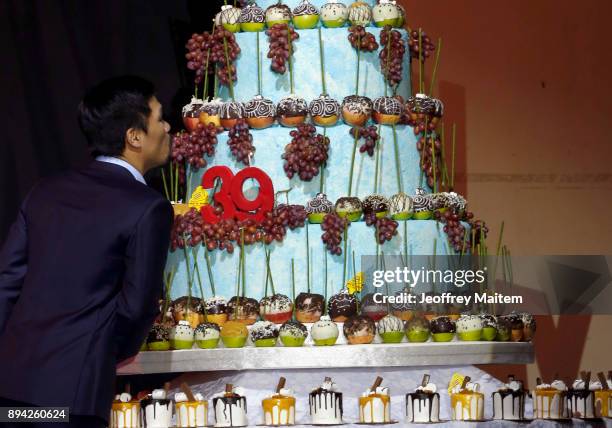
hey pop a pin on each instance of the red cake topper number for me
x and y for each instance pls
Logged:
(231, 198)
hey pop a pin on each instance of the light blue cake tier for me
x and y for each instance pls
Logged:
(317, 3)
(340, 60)
(270, 145)
(421, 237)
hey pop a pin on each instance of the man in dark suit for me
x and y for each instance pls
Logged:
(81, 270)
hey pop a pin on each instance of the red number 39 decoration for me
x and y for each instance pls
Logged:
(232, 199)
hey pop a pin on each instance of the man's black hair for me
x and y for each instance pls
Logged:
(112, 107)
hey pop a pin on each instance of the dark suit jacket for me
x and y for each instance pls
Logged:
(81, 273)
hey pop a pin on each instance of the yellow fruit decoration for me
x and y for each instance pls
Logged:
(199, 198)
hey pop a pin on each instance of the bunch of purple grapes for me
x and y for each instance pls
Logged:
(306, 152)
(426, 156)
(386, 228)
(427, 45)
(275, 224)
(197, 54)
(358, 34)
(295, 215)
(333, 230)
(391, 55)
(186, 230)
(221, 234)
(279, 49)
(240, 142)
(223, 39)
(370, 136)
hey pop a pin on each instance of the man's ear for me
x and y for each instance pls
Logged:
(134, 138)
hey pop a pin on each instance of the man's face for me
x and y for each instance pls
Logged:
(156, 141)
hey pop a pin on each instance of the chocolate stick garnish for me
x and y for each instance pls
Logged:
(185, 388)
(327, 379)
(425, 380)
(602, 379)
(465, 382)
(167, 388)
(582, 374)
(538, 381)
(229, 388)
(510, 378)
(610, 374)
(376, 383)
(587, 379)
(128, 388)
(281, 384)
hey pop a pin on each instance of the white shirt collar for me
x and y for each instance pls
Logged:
(109, 159)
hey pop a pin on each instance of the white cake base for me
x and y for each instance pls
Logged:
(191, 414)
(509, 406)
(326, 408)
(422, 408)
(156, 413)
(580, 404)
(374, 410)
(467, 407)
(230, 412)
(548, 405)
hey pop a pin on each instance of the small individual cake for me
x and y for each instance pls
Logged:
(375, 404)
(305, 15)
(158, 338)
(125, 412)
(260, 112)
(417, 330)
(529, 326)
(279, 408)
(234, 334)
(317, 208)
(504, 329)
(489, 327)
(309, 307)
(252, 18)
(181, 336)
(603, 397)
(324, 332)
(386, 13)
(359, 329)
(243, 309)
(371, 308)
(402, 308)
(400, 206)
(356, 110)
(423, 405)
(230, 407)
(230, 112)
(391, 329)
(334, 14)
(509, 401)
(422, 205)
(349, 207)
(469, 327)
(187, 308)
(216, 310)
(291, 111)
(191, 409)
(387, 110)
(209, 112)
(581, 398)
(549, 400)
(325, 404)
(207, 335)
(324, 110)
(341, 306)
(377, 205)
(293, 333)
(191, 113)
(156, 410)
(278, 14)
(264, 334)
(442, 329)
(360, 13)
(230, 18)
(277, 308)
(467, 403)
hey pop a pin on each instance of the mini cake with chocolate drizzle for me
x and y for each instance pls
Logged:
(325, 404)
(156, 408)
(317, 208)
(400, 206)
(191, 113)
(349, 207)
(291, 111)
(356, 110)
(581, 397)
(467, 403)
(423, 405)
(243, 309)
(230, 112)
(279, 408)
(293, 333)
(422, 205)
(252, 18)
(278, 14)
(277, 308)
(509, 401)
(359, 329)
(260, 112)
(375, 404)
(309, 307)
(305, 15)
(387, 110)
(230, 407)
(209, 112)
(377, 205)
(341, 306)
(264, 334)
(324, 110)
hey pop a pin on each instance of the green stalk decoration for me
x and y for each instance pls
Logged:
(176, 182)
(435, 68)
(433, 159)
(421, 85)
(163, 174)
(322, 181)
(435, 249)
(216, 84)
(397, 162)
(267, 273)
(239, 301)
(388, 47)
(423, 153)
(189, 277)
(355, 270)
(205, 91)
(209, 269)
(405, 242)
(473, 232)
(196, 268)
(463, 245)
(344, 263)
(270, 272)
(188, 184)
(307, 259)
(171, 174)
(358, 61)
(258, 67)
(443, 156)
(325, 287)
(350, 188)
(453, 158)
(290, 59)
(228, 68)
(293, 288)
(242, 260)
(322, 63)
(384, 268)
(168, 279)
(377, 162)
(195, 91)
